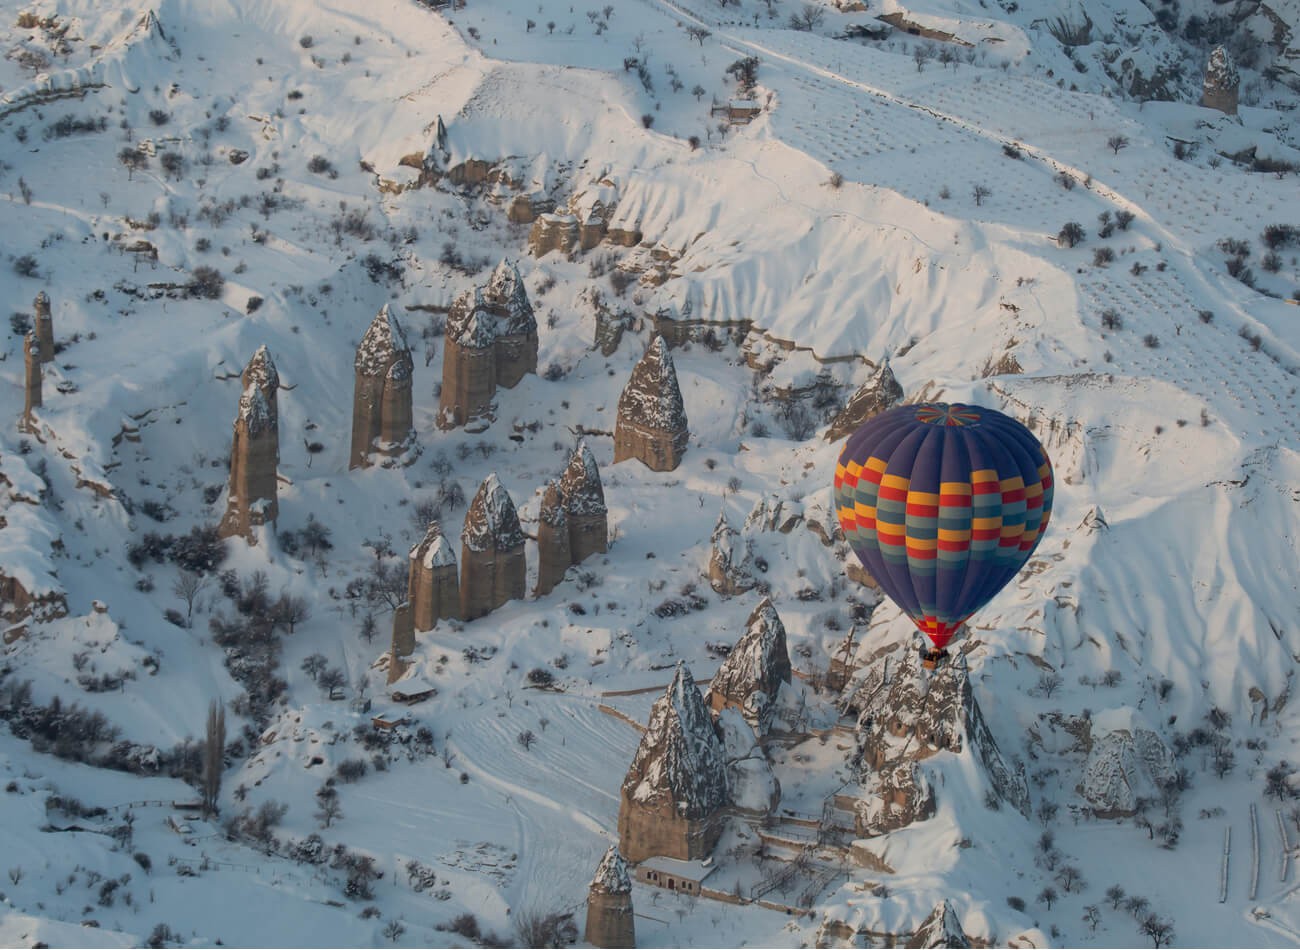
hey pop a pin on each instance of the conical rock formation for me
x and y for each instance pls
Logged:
(652, 425)
(381, 404)
(584, 503)
(554, 554)
(44, 326)
(753, 672)
(941, 929)
(492, 552)
(673, 793)
(1222, 83)
(609, 904)
(432, 587)
(731, 568)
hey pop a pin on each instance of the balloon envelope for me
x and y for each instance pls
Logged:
(943, 504)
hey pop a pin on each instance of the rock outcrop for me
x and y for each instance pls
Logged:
(32, 381)
(554, 553)
(673, 796)
(731, 568)
(253, 497)
(906, 715)
(1222, 83)
(584, 504)
(553, 232)
(382, 422)
(652, 425)
(403, 642)
(609, 904)
(1127, 760)
(492, 552)
(29, 537)
(44, 326)
(941, 929)
(491, 341)
(432, 587)
(754, 670)
(879, 393)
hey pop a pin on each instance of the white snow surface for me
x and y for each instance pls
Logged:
(841, 225)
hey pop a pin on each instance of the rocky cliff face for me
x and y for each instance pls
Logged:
(584, 504)
(906, 715)
(1222, 83)
(652, 425)
(879, 393)
(1127, 760)
(32, 396)
(677, 782)
(44, 326)
(253, 496)
(609, 904)
(941, 929)
(261, 372)
(554, 555)
(492, 552)
(731, 567)
(381, 405)
(432, 587)
(753, 672)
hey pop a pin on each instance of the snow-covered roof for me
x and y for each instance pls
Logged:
(690, 870)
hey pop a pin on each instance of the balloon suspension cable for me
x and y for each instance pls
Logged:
(931, 659)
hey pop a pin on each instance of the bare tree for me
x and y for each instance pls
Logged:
(1115, 143)
(314, 665)
(980, 192)
(188, 586)
(393, 930)
(1047, 896)
(1160, 931)
(330, 680)
(289, 611)
(327, 797)
(214, 745)
(1115, 894)
(698, 33)
(1092, 916)
(808, 18)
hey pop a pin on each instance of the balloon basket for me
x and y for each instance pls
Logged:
(930, 659)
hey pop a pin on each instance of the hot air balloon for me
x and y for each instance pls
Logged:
(943, 504)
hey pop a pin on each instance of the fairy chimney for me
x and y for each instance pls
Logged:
(731, 569)
(672, 799)
(752, 674)
(491, 341)
(32, 364)
(878, 394)
(381, 404)
(1222, 83)
(44, 326)
(941, 929)
(554, 554)
(492, 552)
(609, 904)
(255, 452)
(652, 424)
(584, 503)
(403, 642)
(432, 587)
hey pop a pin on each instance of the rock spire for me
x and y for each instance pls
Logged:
(609, 904)
(652, 424)
(492, 552)
(381, 404)
(753, 672)
(252, 499)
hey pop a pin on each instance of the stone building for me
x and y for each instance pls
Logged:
(44, 326)
(554, 554)
(751, 675)
(381, 404)
(432, 588)
(674, 797)
(32, 382)
(491, 341)
(492, 570)
(584, 505)
(609, 904)
(652, 425)
(1222, 83)
(253, 497)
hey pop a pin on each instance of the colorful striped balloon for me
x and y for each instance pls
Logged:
(943, 504)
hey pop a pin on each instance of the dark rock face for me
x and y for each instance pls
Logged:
(492, 552)
(906, 715)
(673, 795)
(491, 341)
(381, 404)
(652, 425)
(941, 929)
(753, 672)
(253, 497)
(609, 904)
(879, 393)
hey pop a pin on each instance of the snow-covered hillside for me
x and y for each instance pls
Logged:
(983, 193)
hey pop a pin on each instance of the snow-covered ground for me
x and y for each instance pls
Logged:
(886, 202)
